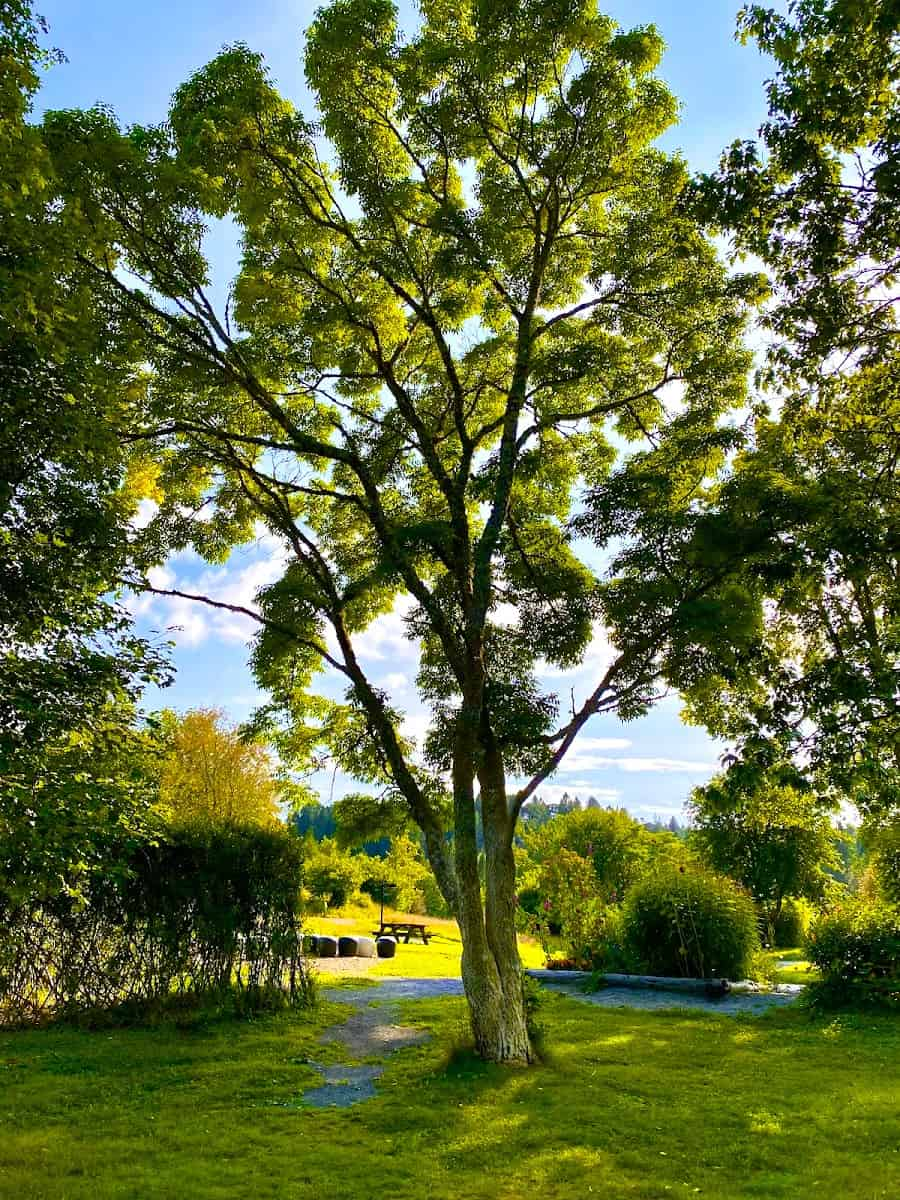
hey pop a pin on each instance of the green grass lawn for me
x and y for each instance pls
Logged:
(631, 1104)
(800, 969)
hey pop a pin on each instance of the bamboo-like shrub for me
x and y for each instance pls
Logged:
(200, 909)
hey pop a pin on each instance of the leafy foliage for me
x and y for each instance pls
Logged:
(856, 947)
(210, 772)
(360, 818)
(74, 801)
(573, 907)
(618, 848)
(884, 840)
(403, 871)
(818, 202)
(314, 818)
(686, 921)
(332, 875)
(776, 840)
(790, 927)
(198, 909)
(443, 327)
(75, 770)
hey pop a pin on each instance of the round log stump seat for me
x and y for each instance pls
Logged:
(387, 947)
(365, 947)
(328, 947)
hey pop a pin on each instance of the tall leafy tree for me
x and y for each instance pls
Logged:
(775, 839)
(75, 771)
(817, 197)
(210, 773)
(461, 294)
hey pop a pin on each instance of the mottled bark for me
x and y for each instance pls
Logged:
(491, 970)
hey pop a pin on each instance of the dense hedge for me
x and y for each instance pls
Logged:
(856, 947)
(689, 922)
(197, 910)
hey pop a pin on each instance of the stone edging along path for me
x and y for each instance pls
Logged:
(372, 1032)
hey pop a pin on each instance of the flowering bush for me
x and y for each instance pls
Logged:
(571, 906)
(856, 947)
(687, 921)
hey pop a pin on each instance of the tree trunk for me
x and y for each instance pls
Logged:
(491, 970)
(492, 978)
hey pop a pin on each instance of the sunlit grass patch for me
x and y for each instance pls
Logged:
(632, 1104)
(800, 969)
(439, 959)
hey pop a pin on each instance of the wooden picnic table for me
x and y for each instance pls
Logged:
(404, 929)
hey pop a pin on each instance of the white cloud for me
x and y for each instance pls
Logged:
(140, 604)
(185, 620)
(505, 614)
(552, 793)
(146, 511)
(385, 639)
(580, 761)
(602, 743)
(241, 589)
(664, 808)
(192, 622)
(415, 726)
(662, 765)
(598, 658)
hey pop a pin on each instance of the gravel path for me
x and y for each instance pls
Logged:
(610, 997)
(620, 997)
(372, 1031)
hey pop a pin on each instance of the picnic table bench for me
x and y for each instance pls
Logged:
(402, 929)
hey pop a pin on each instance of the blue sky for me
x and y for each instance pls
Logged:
(132, 57)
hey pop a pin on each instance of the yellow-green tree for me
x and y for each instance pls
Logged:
(212, 773)
(447, 321)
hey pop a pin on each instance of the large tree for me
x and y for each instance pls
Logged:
(817, 198)
(463, 294)
(75, 771)
(775, 839)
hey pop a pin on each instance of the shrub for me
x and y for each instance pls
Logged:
(576, 912)
(856, 947)
(402, 872)
(686, 921)
(535, 998)
(790, 926)
(886, 862)
(332, 876)
(618, 846)
(434, 902)
(612, 953)
(200, 910)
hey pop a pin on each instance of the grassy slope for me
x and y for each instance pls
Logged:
(632, 1105)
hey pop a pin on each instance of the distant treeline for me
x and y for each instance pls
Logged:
(318, 820)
